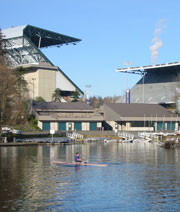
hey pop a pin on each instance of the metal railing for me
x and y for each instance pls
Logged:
(126, 136)
(74, 135)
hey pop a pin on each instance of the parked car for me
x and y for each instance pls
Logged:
(18, 132)
(5, 130)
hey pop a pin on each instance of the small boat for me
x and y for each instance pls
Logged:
(78, 163)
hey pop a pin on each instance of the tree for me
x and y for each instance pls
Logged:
(8, 93)
(96, 102)
(1, 49)
(39, 99)
(21, 82)
(57, 95)
(13, 90)
(4, 60)
(75, 95)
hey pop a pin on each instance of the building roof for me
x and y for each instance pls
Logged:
(122, 111)
(69, 106)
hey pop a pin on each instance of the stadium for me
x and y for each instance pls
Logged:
(23, 44)
(159, 84)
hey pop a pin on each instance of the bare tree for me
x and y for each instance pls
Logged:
(13, 90)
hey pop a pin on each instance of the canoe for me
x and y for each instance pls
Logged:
(79, 164)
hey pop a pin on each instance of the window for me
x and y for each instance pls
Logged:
(160, 126)
(170, 126)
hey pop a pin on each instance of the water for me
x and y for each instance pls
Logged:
(139, 177)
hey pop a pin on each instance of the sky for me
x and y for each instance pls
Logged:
(114, 33)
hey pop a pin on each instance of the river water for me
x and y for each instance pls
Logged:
(139, 177)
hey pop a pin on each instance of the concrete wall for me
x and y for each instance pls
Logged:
(41, 82)
(32, 79)
(47, 83)
(63, 83)
(46, 80)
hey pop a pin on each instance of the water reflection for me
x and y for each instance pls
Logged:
(140, 177)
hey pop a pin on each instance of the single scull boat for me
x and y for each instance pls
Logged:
(79, 163)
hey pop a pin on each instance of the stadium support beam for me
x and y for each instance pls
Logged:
(135, 70)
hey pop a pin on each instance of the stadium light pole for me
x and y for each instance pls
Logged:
(127, 91)
(87, 91)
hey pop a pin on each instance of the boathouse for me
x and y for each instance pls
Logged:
(139, 117)
(60, 116)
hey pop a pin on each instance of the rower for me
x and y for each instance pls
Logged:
(77, 158)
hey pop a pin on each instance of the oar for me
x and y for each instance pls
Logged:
(85, 160)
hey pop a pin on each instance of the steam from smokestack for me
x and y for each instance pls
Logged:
(157, 42)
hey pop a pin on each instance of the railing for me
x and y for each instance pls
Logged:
(125, 135)
(146, 136)
(74, 135)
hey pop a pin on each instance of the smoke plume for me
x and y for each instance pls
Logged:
(157, 42)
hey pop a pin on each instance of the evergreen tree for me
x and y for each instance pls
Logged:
(75, 95)
(56, 97)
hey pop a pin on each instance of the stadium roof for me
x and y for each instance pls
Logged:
(23, 43)
(142, 69)
(40, 37)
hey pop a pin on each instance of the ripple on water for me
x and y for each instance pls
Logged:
(138, 178)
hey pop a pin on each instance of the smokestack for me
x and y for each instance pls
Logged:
(157, 42)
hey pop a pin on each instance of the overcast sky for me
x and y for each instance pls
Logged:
(113, 32)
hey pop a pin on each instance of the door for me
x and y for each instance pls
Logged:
(62, 126)
(93, 126)
(46, 126)
(78, 126)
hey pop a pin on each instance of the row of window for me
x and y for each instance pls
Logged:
(62, 126)
(170, 126)
(160, 125)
